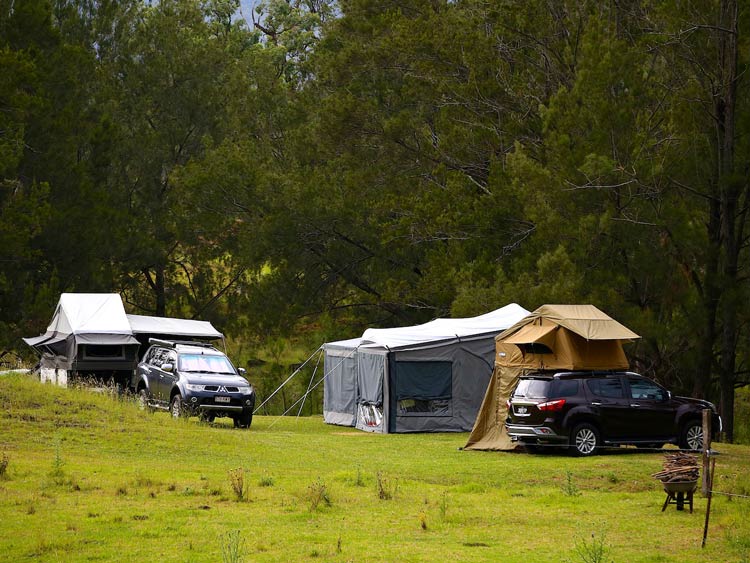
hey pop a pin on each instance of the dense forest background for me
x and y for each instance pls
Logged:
(295, 171)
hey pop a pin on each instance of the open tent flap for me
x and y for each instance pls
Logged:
(535, 336)
(371, 366)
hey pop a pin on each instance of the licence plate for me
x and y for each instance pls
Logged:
(222, 399)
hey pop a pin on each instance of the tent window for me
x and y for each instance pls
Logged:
(99, 351)
(535, 348)
(424, 388)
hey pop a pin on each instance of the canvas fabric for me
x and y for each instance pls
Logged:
(554, 337)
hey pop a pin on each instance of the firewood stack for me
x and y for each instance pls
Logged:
(679, 467)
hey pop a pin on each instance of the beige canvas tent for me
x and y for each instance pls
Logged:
(567, 337)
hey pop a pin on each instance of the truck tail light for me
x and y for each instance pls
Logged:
(552, 406)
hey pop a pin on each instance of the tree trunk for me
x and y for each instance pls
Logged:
(161, 297)
(729, 190)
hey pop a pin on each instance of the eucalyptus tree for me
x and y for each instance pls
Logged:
(56, 219)
(176, 74)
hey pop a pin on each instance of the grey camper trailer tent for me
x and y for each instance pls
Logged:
(425, 378)
(91, 336)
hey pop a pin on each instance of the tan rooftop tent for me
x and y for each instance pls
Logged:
(566, 337)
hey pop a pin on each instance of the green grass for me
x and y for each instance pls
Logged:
(89, 477)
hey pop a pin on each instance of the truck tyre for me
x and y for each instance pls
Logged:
(177, 407)
(584, 440)
(691, 436)
(243, 420)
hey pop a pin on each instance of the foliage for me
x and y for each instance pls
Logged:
(317, 167)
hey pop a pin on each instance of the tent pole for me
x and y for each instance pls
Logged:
(322, 379)
(312, 378)
(287, 381)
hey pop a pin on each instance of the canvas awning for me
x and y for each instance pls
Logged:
(141, 324)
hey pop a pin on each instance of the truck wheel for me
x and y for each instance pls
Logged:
(143, 401)
(584, 440)
(691, 437)
(177, 407)
(243, 420)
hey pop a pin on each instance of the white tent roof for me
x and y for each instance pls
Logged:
(438, 329)
(176, 327)
(79, 313)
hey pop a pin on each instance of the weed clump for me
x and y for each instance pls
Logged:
(237, 482)
(266, 480)
(387, 488)
(58, 467)
(443, 505)
(4, 461)
(232, 547)
(569, 488)
(594, 551)
(317, 493)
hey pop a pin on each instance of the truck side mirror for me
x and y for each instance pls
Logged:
(167, 367)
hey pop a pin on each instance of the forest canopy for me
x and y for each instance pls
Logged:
(314, 165)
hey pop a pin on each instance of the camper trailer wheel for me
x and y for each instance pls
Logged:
(177, 408)
(584, 439)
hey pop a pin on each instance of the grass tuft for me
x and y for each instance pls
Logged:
(443, 506)
(4, 461)
(594, 550)
(266, 480)
(233, 547)
(569, 488)
(387, 487)
(237, 482)
(317, 493)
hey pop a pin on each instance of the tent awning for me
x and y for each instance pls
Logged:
(140, 324)
(43, 339)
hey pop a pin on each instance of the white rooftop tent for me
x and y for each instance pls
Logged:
(425, 378)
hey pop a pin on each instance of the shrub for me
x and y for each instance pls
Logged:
(237, 481)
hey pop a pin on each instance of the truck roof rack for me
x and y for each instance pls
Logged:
(175, 343)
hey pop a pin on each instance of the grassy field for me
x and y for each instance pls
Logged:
(89, 477)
